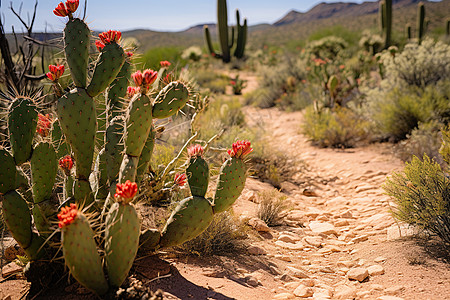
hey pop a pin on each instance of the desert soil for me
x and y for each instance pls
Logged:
(338, 239)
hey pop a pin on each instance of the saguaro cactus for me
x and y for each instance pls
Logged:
(420, 21)
(223, 31)
(387, 23)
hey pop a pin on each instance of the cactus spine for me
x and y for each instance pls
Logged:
(226, 42)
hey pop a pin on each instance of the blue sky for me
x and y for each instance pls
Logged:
(161, 15)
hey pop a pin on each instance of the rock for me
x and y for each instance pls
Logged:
(359, 239)
(376, 287)
(252, 281)
(389, 298)
(309, 193)
(259, 225)
(297, 272)
(250, 196)
(395, 232)
(283, 296)
(380, 259)
(322, 294)
(286, 278)
(344, 292)
(256, 250)
(274, 270)
(291, 246)
(288, 238)
(345, 263)
(358, 274)
(363, 188)
(394, 290)
(296, 215)
(375, 270)
(283, 257)
(308, 282)
(315, 241)
(346, 215)
(303, 291)
(313, 212)
(322, 228)
(341, 223)
(11, 269)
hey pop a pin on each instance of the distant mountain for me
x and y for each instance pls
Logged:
(337, 10)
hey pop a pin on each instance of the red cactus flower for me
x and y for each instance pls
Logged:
(66, 163)
(125, 192)
(149, 77)
(55, 72)
(132, 90)
(341, 67)
(319, 61)
(180, 179)
(195, 150)
(138, 78)
(99, 45)
(44, 124)
(60, 10)
(240, 149)
(164, 64)
(129, 53)
(67, 215)
(232, 82)
(72, 5)
(110, 36)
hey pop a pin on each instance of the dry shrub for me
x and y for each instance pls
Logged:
(225, 235)
(271, 206)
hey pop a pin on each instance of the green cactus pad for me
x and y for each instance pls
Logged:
(230, 184)
(106, 69)
(81, 255)
(198, 176)
(117, 91)
(114, 148)
(22, 122)
(44, 167)
(21, 179)
(78, 120)
(82, 192)
(59, 141)
(121, 241)
(170, 100)
(128, 168)
(149, 239)
(190, 218)
(76, 46)
(68, 187)
(102, 185)
(43, 216)
(7, 172)
(17, 218)
(146, 155)
(138, 123)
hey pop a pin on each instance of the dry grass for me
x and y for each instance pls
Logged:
(271, 206)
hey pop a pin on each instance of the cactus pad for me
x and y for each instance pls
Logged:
(8, 167)
(76, 41)
(198, 176)
(170, 100)
(114, 148)
(44, 167)
(146, 155)
(138, 123)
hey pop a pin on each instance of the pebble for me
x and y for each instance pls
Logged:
(256, 250)
(375, 270)
(259, 225)
(358, 274)
(380, 259)
(341, 223)
(344, 292)
(303, 291)
(288, 238)
(297, 272)
(283, 296)
(315, 241)
(252, 281)
(322, 228)
(308, 282)
(394, 290)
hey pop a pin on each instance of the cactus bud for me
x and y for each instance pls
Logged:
(129, 54)
(67, 215)
(195, 150)
(149, 77)
(43, 125)
(125, 192)
(60, 10)
(164, 64)
(180, 179)
(240, 149)
(137, 78)
(66, 164)
(99, 45)
(132, 90)
(110, 36)
(66, 10)
(55, 72)
(72, 5)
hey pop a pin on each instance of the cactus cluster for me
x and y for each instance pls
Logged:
(223, 31)
(97, 222)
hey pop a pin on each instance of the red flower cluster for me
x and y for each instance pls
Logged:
(129, 53)
(66, 163)
(44, 124)
(164, 64)
(67, 215)
(55, 72)
(132, 90)
(99, 45)
(319, 61)
(64, 10)
(144, 79)
(125, 192)
(180, 179)
(240, 149)
(195, 150)
(110, 36)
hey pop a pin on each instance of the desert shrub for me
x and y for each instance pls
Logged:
(151, 58)
(418, 65)
(370, 42)
(193, 53)
(211, 81)
(225, 235)
(349, 36)
(339, 128)
(271, 205)
(425, 139)
(422, 196)
(398, 111)
(328, 47)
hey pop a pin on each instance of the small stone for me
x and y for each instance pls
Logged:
(250, 196)
(288, 238)
(309, 193)
(291, 246)
(286, 278)
(308, 282)
(380, 259)
(376, 287)
(259, 225)
(303, 291)
(344, 292)
(341, 223)
(375, 270)
(256, 250)
(10, 269)
(359, 239)
(297, 272)
(346, 215)
(322, 228)
(251, 281)
(283, 296)
(283, 257)
(297, 216)
(345, 263)
(394, 290)
(315, 241)
(357, 274)
(395, 232)
(274, 270)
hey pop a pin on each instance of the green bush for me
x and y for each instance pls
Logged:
(422, 196)
(151, 58)
(339, 128)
